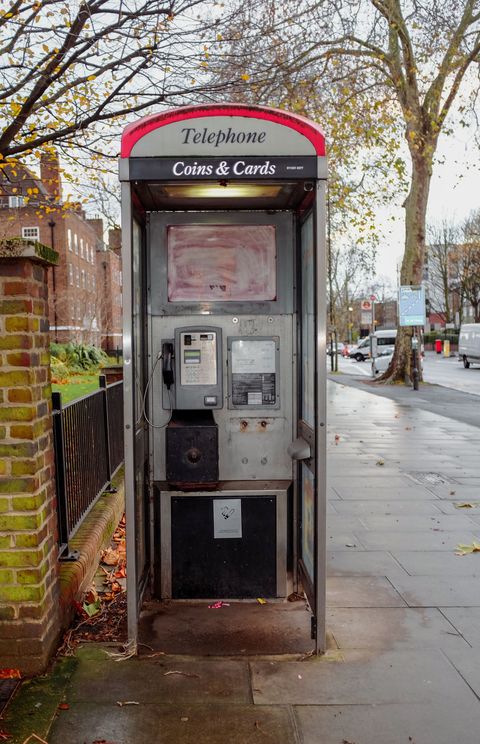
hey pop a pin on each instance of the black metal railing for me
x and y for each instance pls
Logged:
(88, 440)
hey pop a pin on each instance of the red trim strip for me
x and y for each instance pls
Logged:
(133, 132)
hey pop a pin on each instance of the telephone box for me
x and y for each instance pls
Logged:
(223, 222)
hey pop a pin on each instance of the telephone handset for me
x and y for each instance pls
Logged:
(167, 364)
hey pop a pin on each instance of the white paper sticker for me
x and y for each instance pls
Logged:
(253, 356)
(227, 518)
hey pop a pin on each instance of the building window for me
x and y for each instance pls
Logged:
(77, 276)
(69, 239)
(31, 232)
(82, 253)
(75, 242)
(15, 201)
(83, 278)
(70, 274)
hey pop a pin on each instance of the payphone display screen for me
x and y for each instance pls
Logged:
(254, 373)
(230, 263)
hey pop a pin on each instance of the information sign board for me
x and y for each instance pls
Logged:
(411, 305)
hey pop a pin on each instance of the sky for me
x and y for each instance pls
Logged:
(454, 194)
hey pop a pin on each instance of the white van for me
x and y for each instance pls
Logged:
(469, 344)
(379, 343)
(383, 342)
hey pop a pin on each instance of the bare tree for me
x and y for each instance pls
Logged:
(441, 279)
(406, 60)
(466, 258)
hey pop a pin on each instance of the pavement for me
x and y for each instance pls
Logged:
(403, 617)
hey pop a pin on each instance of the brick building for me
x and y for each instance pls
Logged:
(85, 287)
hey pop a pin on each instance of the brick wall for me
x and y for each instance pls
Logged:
(29, 621)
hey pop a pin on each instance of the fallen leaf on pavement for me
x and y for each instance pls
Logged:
(127, 702)
(337, 438)
(110, 557)
(63, 706)
(380, 462)
(10, 674)
(465, 506)
(466, 549)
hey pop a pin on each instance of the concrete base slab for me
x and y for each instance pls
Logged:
(181, 724)
(387, 724)
(241, 628)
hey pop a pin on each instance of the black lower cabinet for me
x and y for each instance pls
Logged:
(205, 566)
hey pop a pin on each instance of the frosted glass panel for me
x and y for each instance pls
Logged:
(212, 263)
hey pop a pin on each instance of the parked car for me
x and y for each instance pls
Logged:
(380, 363)
(340, 348)
(469, 344)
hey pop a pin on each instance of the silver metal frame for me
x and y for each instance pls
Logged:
(280, 495)
(129, 414)
(321, 420)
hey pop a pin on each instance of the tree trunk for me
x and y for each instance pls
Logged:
(400, 368)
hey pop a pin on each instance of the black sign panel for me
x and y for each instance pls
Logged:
(229, 168)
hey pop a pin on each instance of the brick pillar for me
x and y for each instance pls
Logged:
(29, 619)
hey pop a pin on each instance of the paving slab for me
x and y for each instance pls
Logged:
(394, 541)
(467, 662)
(430, 723)
(85, 722)
(369, 507)
(362, 591)
(175, 681)
(466, 620)
(434, 591)
(337, 522)
(438, 563)
(364, 677)
(361, 563)
(343, 541)
(392, 627)
(417, 523)
(456, 492)
(371, 491)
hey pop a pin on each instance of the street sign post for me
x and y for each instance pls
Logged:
(411, 305)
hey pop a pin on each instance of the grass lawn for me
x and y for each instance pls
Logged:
(76, 387)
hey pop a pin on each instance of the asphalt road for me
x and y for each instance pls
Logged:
(448, 390)
(437, 370)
